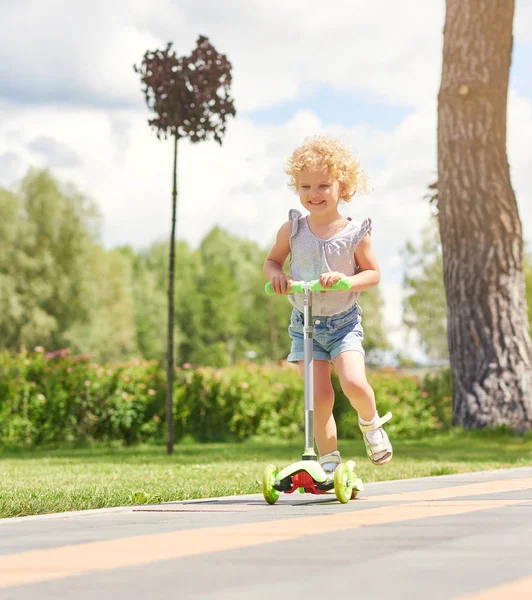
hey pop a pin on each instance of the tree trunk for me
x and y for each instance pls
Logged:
(480, 229)
(170, 349)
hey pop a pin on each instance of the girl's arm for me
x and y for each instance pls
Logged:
(370, 273)
(274, 263)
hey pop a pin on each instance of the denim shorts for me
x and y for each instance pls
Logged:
(332, 335)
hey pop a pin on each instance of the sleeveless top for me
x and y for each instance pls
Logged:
(310, 256)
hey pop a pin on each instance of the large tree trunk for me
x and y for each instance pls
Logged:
(480, 229)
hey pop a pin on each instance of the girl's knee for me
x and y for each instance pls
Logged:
(356, 387)
(323, 396)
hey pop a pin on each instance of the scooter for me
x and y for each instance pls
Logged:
(307, 475)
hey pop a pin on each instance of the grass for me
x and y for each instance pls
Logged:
(38, 482)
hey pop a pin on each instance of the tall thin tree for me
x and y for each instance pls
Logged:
(489, 344)
(190, 96)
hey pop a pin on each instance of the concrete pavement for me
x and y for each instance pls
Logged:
(463, 537)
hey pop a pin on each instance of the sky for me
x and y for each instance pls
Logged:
(368, 73)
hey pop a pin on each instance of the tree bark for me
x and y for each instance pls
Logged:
(171, 310)
(480, 229)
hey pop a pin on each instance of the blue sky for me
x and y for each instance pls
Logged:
(335, 107)
(521, 69)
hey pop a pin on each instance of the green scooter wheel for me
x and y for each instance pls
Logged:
(271, 495)
(342, 489)
(356, 482)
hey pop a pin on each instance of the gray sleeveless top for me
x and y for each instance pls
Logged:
(310, 256)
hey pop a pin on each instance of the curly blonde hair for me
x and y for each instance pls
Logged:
(324, 151)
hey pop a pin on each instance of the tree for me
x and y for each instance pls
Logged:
(108, 331)
(489, 343)
(528, 287)
(372, 305)
(48, 232)
(424, 307)
(190, 97)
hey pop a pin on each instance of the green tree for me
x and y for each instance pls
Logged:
(48, 232)
(424, 306)
(108, 332)
(527, 269)
(372, 306)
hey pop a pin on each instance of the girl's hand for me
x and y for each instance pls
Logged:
(330, 278)
(281, 283)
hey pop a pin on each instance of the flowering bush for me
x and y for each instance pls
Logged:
(51, 399)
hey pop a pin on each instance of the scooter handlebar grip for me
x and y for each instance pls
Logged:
(298, 286)
(343, 285)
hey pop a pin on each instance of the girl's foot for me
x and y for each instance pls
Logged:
(378, 446)
(330, 461)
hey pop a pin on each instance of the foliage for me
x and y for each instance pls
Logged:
(527, 271)
(372, 305)
(51, 398)
(48, 233)
(54, 398)
(424, 306)
(189, 94)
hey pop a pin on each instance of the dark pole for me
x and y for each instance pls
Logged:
(170, 363)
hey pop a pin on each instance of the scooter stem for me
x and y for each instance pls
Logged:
(308, 331)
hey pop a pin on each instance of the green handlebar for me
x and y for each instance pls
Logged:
(298, 286)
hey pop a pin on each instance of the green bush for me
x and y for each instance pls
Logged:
(237, 402)
(438, 388)
(414, 409)
(54, 399)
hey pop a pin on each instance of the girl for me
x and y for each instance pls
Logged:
(327, 246)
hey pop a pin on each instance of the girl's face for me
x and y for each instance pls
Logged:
(318, 190)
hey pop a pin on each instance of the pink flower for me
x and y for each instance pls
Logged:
(187, 366)
(38, 349)
(87, 383)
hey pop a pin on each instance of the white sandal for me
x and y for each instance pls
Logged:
(330, 461)
(380, 452)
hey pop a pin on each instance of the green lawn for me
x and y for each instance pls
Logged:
(37, 482)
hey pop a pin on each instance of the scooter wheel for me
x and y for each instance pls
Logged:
(356, 482)
(271, 495)
(342, 489)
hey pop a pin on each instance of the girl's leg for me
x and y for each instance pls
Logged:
(352, 374)
(351, 371)
(324, 423)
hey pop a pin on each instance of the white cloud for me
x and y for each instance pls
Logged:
(86, 51)
(522, 20)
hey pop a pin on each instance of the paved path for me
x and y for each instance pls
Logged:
(464, 537)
